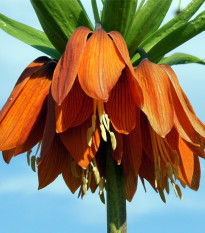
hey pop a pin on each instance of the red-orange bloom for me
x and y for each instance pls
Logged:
(96, 95)
(22, 118)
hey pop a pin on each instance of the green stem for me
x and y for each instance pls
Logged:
(116, 197)
(141, 52)
(95, 11)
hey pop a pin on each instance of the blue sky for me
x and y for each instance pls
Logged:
(54, 209)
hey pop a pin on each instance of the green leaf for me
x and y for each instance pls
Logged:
(181, 58)
(59, 19)
(169, 27)
(145, 22)
(178, 37)
(29, 35)
(116, 15)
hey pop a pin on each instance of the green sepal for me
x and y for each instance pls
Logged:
(28, 35)
(145, 22)
(116, 15)
(59, 19)
(178, 37)
(178, 21)
(181, 58)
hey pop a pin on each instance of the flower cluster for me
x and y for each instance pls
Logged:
(93, 97)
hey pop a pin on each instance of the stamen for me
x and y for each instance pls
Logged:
(84, 185)
(166, 181)
(101, 185)
(169, 170)
(103, 132)
(113, 140)
(95, 171)
(176, 157)
(179, 192)
(161, 193)
(33, 163)
(173, 184)
(28, 156)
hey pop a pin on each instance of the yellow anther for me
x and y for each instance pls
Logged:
(102, 197)
(73, 166)
(169, 170)
(103, 132)
(101, 185)
(89, 136)
(84, 189)
(33, 161)
(96, 175)
(179, 192)
(166, 182)
(176, 157)
(161, 193)
(176, 173)
(155, 183)
(107, 121)
(173, 184)
(28, 156)
(113, 140)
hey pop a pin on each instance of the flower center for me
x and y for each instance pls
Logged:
(98, 107)
(166, 163)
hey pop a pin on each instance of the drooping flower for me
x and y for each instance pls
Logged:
(22, 119)
(97, 96)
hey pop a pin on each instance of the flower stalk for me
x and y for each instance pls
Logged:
(95, 11)
(116, 196)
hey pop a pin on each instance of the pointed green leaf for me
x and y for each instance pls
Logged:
(59, 19)
(181, 58)
(169, 27)
(29, 35)
(146, 21)
(117, 14)
(178, 37)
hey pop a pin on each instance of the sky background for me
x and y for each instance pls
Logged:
(24, 209)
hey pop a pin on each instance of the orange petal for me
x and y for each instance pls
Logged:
(122, 48)
(8, 154)
(23, 79)
(189, 168)
(26, 142)
(75, 141)
(101, 66)
(183, 123)
(75, 109)
(50, 126)
(196, 123)
(71, 181)
(146, 138)
(26, 108)
(130, 178)
(131, 181)
(51, 165)
(146, 170)
(118, 152)
(121, 107)
(157, 100)
(68, 66)
(132, 145)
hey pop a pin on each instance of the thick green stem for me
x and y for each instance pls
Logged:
(116, 197)
(95, 11)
